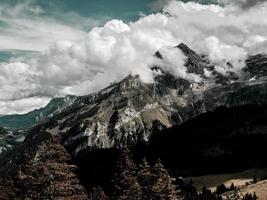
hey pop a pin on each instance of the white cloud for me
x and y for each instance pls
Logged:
(23, 27)
(174, 62)
(22, 105)
(220, 54)
(107, 54)
(243, 4)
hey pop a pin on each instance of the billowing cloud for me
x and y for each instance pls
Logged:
(22, 105)
(220, 54)
(244, 4)
(108, 53)
(25, 26)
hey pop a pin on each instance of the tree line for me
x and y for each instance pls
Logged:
(146, 182)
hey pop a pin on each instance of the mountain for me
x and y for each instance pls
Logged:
(15, 122)
(163, 119)
(130, 111)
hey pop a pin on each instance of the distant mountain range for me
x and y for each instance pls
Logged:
(24, 121)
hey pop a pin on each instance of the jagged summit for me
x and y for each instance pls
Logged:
(186, 50)
(130, 111)
(195, 63)
(255, 65)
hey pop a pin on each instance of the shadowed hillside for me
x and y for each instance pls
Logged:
(226, 140)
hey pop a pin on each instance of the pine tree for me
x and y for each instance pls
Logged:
(49, 175)
(145, 178)
(125, 181)
(250, 197)
(97, 194)
(221, 189)
(163, 187)
(254, 197)
(232, 187)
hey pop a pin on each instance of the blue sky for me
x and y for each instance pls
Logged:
(32, 25)
(19, 20)
(52, 48)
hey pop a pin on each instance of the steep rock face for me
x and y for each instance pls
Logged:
(195, 63)
(130, 111)
(255, 65)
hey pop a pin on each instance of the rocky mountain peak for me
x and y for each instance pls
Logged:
(256, 65)
(195, 63)
(129, 111)
(185, 49)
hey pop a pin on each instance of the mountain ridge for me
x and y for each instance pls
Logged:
(130, 111)
(23, 121)
(156, 120)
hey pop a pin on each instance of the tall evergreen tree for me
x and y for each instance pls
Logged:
(146, 179)
(97, 194)
(250, 197)
(163, 187)
(126, 186)
(49, 175)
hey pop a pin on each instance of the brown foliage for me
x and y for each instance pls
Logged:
(47, 175)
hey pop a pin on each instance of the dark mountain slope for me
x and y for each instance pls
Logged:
(226, 140)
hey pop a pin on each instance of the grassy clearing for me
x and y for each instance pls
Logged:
(214, 180)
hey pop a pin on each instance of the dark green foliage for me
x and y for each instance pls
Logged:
(222, 188)
(190, 193)
(47, 175)
(146, 179)
(97, 194)
(163, 187)
(250, 197)
(232, 187)
(155, 183)
(208, 195)
(126, 185)
(255, 180)
(146, 183)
